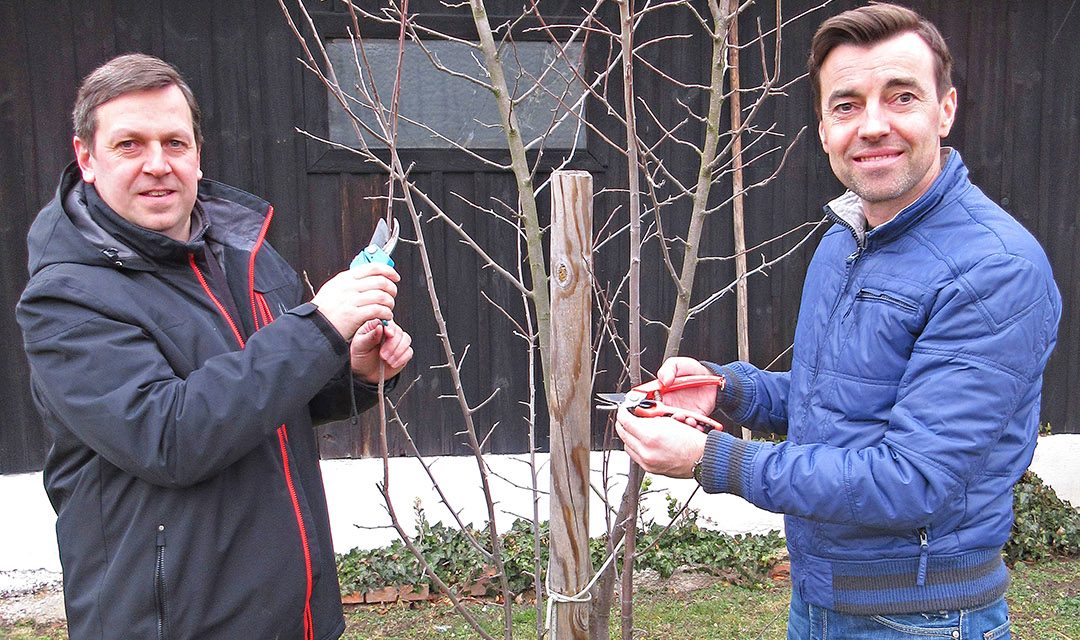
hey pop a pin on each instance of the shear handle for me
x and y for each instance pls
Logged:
(653, 387)
(654, 409)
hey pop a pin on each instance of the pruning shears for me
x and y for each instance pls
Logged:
(380, 246)
(645, 400)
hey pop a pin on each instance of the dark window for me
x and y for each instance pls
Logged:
(456, 109)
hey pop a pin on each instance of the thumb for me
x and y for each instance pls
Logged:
(368, 336)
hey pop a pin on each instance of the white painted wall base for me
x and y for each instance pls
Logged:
(358, 515)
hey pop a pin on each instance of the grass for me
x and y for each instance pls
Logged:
(718, 612)
(1044, 600)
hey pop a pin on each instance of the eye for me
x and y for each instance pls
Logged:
(843, 108)
(905, 98)
(126, 145)
(177, 144)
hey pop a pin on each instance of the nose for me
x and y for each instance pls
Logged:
(875, 122)
(156, 162)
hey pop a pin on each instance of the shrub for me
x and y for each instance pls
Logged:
(744, 559)
(1045, 525)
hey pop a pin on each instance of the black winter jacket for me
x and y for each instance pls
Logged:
(184, 468)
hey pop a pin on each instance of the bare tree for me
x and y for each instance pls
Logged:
(558, 77)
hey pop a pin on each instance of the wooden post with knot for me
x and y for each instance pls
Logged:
(570, 401)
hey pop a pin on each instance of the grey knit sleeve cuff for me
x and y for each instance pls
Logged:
(728, 464)
(733, 399)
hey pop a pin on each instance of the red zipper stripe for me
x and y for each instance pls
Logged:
(259, 305)
(251, 263)
(264, 309)
(283, 438)
(217, 303)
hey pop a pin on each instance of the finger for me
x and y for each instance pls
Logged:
(371, 326)
(396, 346)
(367, 338)
(374, 269)
(667, 372)
(375, 297)
(391, 348)
(399, 361)
(627, 437)
(375, 284)
(626, 424)
(684, 418)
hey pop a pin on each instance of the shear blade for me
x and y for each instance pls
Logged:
(381, 234)
(610, 400)
(386, 235)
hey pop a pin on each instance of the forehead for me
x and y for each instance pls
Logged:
(151, 111)
(903, 57)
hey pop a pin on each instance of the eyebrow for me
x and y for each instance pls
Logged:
(134, 133)
(893, 83)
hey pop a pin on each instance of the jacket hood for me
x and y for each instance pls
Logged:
(847, 209)
(76, 226)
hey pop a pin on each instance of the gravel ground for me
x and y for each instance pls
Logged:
(31, 595)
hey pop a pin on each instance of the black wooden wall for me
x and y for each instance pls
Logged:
(1018, 130)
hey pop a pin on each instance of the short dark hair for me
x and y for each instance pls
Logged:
(123, 74)
(870, 25)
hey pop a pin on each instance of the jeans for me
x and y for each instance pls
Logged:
(809, 622)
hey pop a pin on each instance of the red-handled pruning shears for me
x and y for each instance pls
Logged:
(645, 400)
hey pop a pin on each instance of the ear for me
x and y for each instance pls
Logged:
(198, 161)
(822, 136)
(82, 156)
(948, 112)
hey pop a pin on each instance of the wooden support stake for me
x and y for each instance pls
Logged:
(742, 321)
(570, 387)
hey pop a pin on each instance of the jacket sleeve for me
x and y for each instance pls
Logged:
(108, 382)
(337, 401)
(752, 397)
(975, 372)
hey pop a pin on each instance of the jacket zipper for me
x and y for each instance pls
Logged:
(924, 556)
(849, 267)
(262, 316)
(159, 584)
(875, 296)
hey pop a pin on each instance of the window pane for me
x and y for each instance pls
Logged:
(461, 110)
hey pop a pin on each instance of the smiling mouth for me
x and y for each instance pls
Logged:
(877, 157)
(157, 193)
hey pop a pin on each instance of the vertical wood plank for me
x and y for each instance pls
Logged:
(569, 568)
(23, 441)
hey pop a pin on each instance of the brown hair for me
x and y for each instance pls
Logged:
(869, 25)
(127, 74)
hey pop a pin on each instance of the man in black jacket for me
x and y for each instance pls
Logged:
(180, 373)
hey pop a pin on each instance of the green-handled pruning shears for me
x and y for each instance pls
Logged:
(380, 246)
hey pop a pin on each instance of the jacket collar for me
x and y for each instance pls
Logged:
(847, 209)
(126, 242)
(72, 228)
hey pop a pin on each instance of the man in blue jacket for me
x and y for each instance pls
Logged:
(912, 405)
(180, 372)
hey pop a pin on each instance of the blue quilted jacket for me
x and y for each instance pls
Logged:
(911, 407)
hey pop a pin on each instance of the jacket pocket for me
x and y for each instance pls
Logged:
(892, 299)
(159, 585)
(872, 295)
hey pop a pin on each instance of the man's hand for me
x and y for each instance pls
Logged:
(374, 343)
(699, 399)
(661, 445)
(356, 296)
